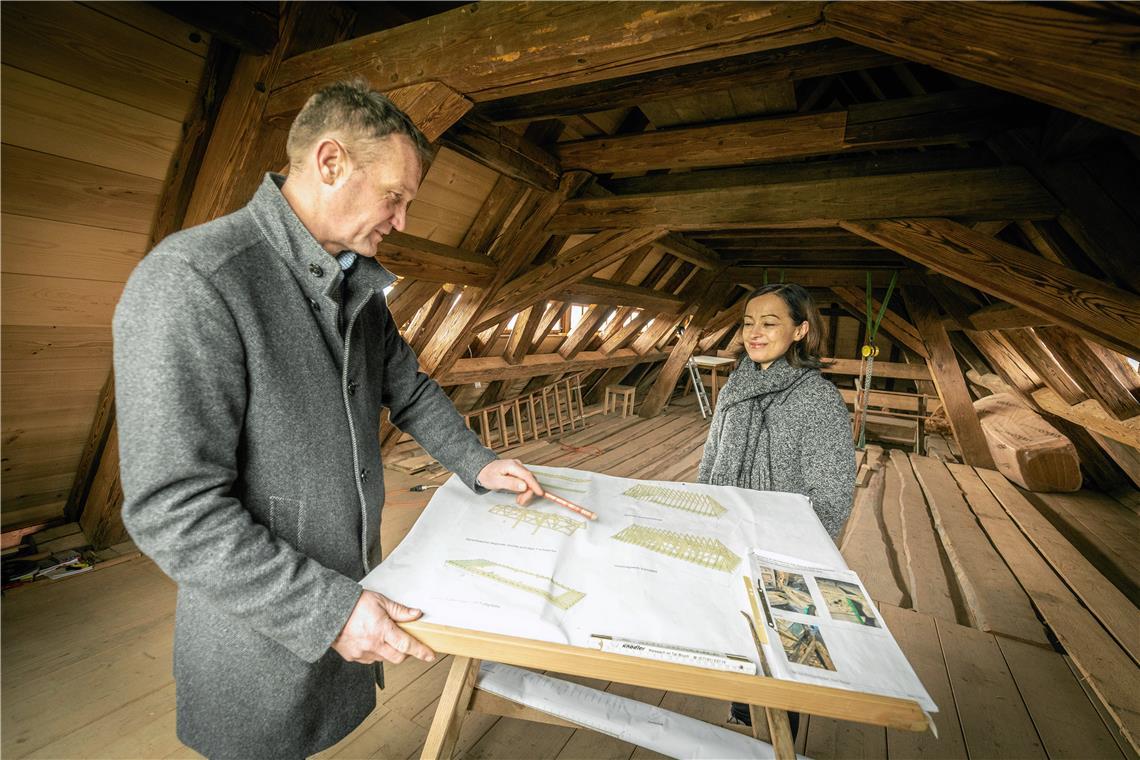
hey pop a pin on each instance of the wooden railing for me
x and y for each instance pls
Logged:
(543, 412)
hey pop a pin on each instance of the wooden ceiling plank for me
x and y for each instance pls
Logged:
(783, 65)
(495, 50)
(948, 377)
(1088, 371)
(968, 194)
(1093, 308)
(1079, 58)
(941, 119)
(1025, 342)
(504, 151)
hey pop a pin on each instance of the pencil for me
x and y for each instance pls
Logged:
(569, 505)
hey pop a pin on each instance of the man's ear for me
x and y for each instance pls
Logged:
(332, 161)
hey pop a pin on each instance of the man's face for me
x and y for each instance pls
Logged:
(373, 198)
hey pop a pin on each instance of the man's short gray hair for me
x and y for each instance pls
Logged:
(359, 116)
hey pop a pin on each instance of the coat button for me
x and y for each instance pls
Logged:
(352, 387)
(313, 303)
(364, 475)
(316, 271)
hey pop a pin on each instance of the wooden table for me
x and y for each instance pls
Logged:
(714, 364)
(777, 696)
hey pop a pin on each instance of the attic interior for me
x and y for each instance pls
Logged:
(611, 183)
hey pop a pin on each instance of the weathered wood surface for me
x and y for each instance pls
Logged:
(863, 545)
(495, 368)
(993, 599)
(1089, 370)
(1091, 415)
(592, 290)
(1109, 671)
(496, 50)
(786, 64)
(1024, 341)
(919, 553)
(1086, 62)
(1103, 599)
(893, 324)
(1105, 314)
(926, 120)
(970, 194)
(427, 260)
(503, 150)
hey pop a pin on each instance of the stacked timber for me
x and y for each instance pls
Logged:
(1027, 449)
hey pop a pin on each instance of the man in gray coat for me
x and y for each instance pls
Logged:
(253, 356)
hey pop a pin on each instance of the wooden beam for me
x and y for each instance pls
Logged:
(783, 65)
(572, 265)
(521, 335)
(541, 46)
(595, 291)
(433, 106)
(970, 193)
(948, 378)
(897, 327)
(485, 370)
(504, 151)
(1079, 58)
(897, 370)
(1023, 340)
(944, 118)
(423, 259)
(407, 297)
(624, 333)
(1091, 415)
(581, 335)
(248, 26)
(809, 278)
(709, 301)
(1101, 312)
(1089, 371)
(1001, 316)
(690, 250)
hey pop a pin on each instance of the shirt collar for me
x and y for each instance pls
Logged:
(317, 270)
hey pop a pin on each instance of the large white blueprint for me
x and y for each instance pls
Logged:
(662, 563)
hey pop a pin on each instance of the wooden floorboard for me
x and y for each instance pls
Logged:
(87, 669)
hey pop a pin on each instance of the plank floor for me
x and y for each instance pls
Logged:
(87, 661)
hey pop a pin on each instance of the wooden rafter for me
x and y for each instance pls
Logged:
(496, 368)
(894, 325)
(423, 259)
(504, 150)
(595, 291)
(1082, 58)
(539, 46)
(1106, 314)
(969, 194)
(940, 119)
(783, 65)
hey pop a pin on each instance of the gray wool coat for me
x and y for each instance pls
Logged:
(248, 430)
(784, 429)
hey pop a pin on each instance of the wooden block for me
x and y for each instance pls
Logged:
(1026, 448)
(920, 551)
(995, 721)
(993, 599)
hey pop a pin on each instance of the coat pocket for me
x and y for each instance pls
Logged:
(287, 521)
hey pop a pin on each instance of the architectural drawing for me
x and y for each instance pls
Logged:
(560, 596)
(846, 602)
(525, 515)
(804, 645)
(675, 498)
(787, 591)
(700, 550)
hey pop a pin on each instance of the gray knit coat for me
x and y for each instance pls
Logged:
(248, 429)
(783, 429)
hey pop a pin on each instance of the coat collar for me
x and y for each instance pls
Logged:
(299, 249)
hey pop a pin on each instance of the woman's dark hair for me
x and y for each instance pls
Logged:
(805, 352)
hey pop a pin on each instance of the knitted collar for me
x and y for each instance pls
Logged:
(748, 380)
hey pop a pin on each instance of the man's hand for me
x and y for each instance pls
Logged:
(510, 475)
(371, 633)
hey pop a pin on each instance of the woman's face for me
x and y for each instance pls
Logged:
(768, 329)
